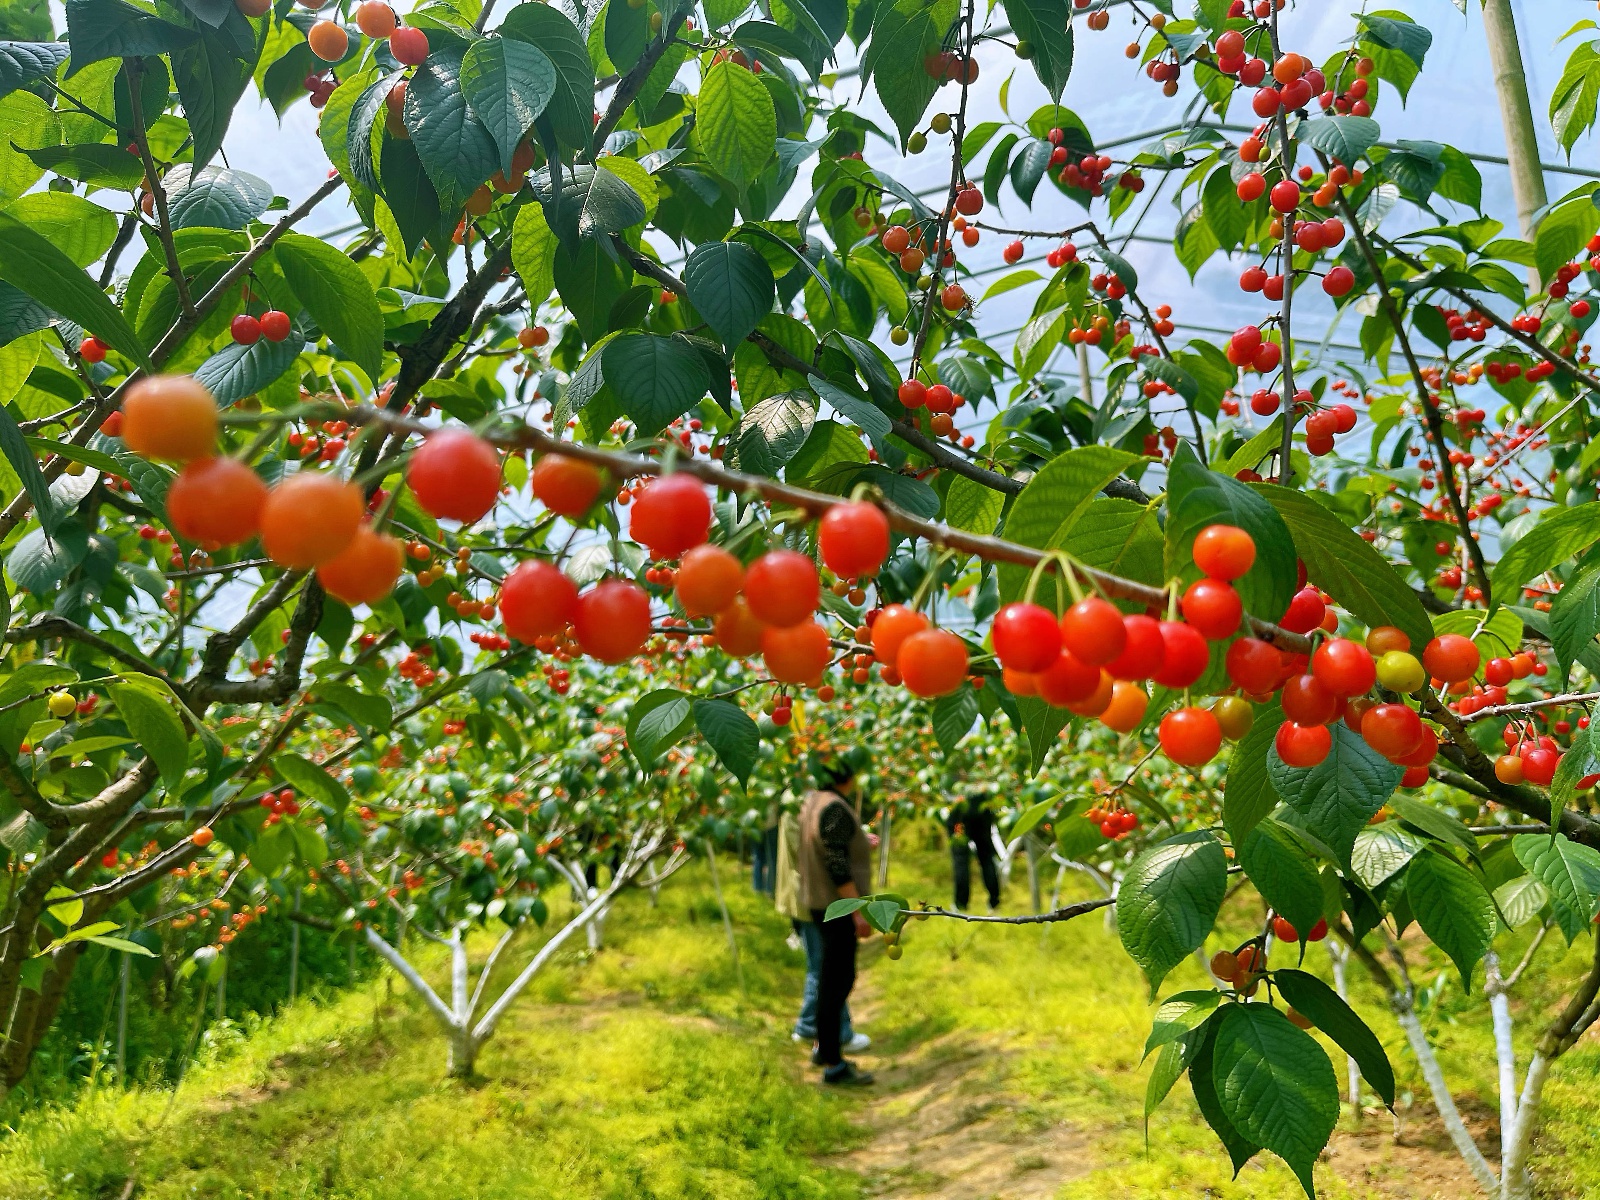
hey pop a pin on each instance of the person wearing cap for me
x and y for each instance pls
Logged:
(971, 828)
(835, 862)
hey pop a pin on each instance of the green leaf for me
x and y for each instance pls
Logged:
(214, 197)
(1275, 1085)
(337, 294)
(40, 561)
(971, 506)
(599, 200)
(1557, 539)
(100, 29)
(1169, 902)
(456, 149)
(1046, 25)
(533, 253)
(1197, 498)
(1571, 873)
(844, 907)
(1284, 872)
(627, 32)
(26, 464)
(1398, 33)
(1434, 822)
(861, 412)
(1453, 908)
(1521, 900)
(903, 35)
(953, 717)
(23, 62)
(1048, 508)
(210, 79)
(736, 123)
(364, 114)
(122, 945)
(509, 83)
(731, 286)
(155, 725)
(1383, 850)
(1348, 568)
(79, 228)
(656, 722)
(31, 262)
(1564, 231)
(1178, 1015)
(1203, 1080)
(771, 433)
(306, 776)
(1250, 797)
(656, 379)
(1338, 795)
(1333, 1017)
(1169, 1067)
(1344, 138)
(1575, 615)
(571, 107)
(729, 732)
(1030, 817)
(237, 371)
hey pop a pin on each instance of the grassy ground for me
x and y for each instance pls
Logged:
(1007, 1058)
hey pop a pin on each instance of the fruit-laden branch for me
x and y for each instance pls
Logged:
(17, 511)
(1430, 409)
(942, 457)
(44, 628)
(1502, 710)
(629, 85)
(1286, 267)
(1066, 913)
(814, 504)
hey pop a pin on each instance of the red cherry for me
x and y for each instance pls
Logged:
(853, 539)
(1213, 608)
(707, 580)
(1093, 629)
(1224, 551)
(1306, 701)
(1067, 681)
(1393, 730)
(1256, 666)
(565, 485)
(1344, 667)
(274, 325)
(932, 662)
(1185, 656)
(1190, 737)
(1539, 765)
(1143, 651)
(782, 588)
(1451, 657)
(798, 653)
(537, 600)
(409, 45)
(246, 330)
(455, 474)
(1284, 931)
(1302, 745)
(672, 514)
(612, 622)
(1027, 637)
(1305, 611)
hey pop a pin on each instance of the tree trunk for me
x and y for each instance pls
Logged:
(883, 849)
(1505, 1053)
(1340, 958)
(1516, 114)
(1442, 1099)
(1517, 1183)
(463, 1053)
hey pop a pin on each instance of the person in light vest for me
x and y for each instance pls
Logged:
(835, 863)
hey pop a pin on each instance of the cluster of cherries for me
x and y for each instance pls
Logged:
(330, 41)
(247, 330)
(1115, 822)
(414, 667)
(279, 804)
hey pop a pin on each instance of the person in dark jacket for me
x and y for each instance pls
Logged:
(970, 821)
(835, 863)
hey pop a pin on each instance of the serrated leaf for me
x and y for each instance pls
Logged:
(655, 379)
(1284, 872)
(730, 732)
(1178, 1015)
(1336, 1019)
(1336, 797)
(953, 717)
(731, 286)
(1344, 138)
(1250, 796)
(306, 776)
(771, 433)
(1046, 26)
(338, 295)
(155, 725)
(214, 197)
(1569, 871)
(1197, 498)
(1169, 902)
(23, 62)
(1381, 851)
(571, 107)
(656, 722)
(736, 123)
(509, 83)
(237, 371)
(32, 263)
(1453, 909)
(456, 149)
(1556, 540)
(1520, 900)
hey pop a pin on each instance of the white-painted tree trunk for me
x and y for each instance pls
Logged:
(1444, 1101)
(1505, 1053)
(1518, 1183)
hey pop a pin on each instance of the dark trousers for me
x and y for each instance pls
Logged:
(961, 867)
(837, 977)
(764, 862)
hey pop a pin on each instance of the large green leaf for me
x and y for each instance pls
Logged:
(509, 83)
(1045, 512)
(904, 34)
(731, 734)
(1347, 567)
(1564, 230)
(736, 123)
(79, 228)
(1202, 1079)
(1276, 1085)
(210, 79)
(455, 147)
(23, 62)
(312, 779)
(1556, 540)
(1196, 498)
(1284, 872)
(656, 722)
(1336, 797)
(1382, 850)
(571, 107)
(1169, 902)
(100, 29)
(595, 200)
(156, 726)
(1333, 1017)
(337, 294)
(364, 113)
(771, 433)
(731, 286)
(1570, 871)
(1575, 615)
(1250, 797)
(1343, 138)
(104, 166)
(1178, 1015)
(31, 262)
(214, 197)
(971, 506)
(237, 371)
(1453, 908)
(533, 253)
(26, 464)
(1045, 25)
(655, 379)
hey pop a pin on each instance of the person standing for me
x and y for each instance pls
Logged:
(970, 821)
(764, 853)
(786, 897)
(835, 862)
